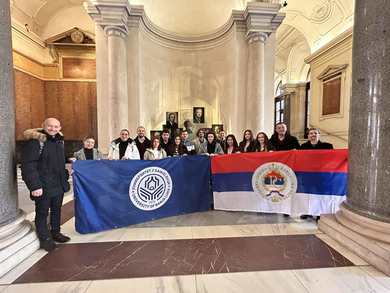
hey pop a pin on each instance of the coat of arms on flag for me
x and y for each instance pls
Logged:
(274, 181)
(289, 182)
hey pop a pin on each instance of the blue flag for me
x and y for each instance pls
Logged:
(113, 194)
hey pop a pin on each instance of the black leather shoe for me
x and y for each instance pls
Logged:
(47, 244)
(304, 217)
(60, 238)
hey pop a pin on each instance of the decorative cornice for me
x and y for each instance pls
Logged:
(331, 71)
(257, 18)
(109, 13)
(21, 30)
(65, 39)
(262, 17)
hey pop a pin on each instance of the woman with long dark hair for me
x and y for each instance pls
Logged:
(231, 145)
(262, 143)
(247, 145)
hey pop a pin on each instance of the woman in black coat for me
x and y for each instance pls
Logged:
(177, 148)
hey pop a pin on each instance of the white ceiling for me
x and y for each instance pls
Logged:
(318, 20)
(189, 17)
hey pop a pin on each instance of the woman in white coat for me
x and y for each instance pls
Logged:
(123, 148)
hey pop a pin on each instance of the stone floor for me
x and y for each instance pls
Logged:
(213, 251)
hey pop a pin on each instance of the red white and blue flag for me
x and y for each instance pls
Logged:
(310, 182)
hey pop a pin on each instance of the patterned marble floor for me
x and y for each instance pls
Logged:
(263, 253)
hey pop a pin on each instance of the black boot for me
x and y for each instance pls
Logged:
(48, 244)
(60, 238)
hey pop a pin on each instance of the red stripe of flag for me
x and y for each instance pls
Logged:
(299, 161)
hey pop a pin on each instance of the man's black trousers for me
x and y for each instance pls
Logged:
(43, 204)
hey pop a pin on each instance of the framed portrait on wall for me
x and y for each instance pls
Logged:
(206, 130)
(172, 117)
(198, 115)
(172, 122)
(217, 128)
(154, 133)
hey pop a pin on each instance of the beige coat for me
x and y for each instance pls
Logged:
(149, 154)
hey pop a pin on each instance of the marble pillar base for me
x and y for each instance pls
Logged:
(18, 241)
(368, 238)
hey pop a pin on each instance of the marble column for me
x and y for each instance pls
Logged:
(369, 136)
(8, 200)
(117, 79)
(363, 223)
(111, 18)
(17, 239)
(255, 81)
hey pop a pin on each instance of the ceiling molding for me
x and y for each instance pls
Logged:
(336, 41)
(258, 17)
(28, 35)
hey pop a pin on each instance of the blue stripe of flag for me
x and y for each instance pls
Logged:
(326, 183)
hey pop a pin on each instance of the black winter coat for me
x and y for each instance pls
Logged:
(142, 146)
(319, 146)
(181, 150)
(250, 149)
(289, 143)
(43, 163)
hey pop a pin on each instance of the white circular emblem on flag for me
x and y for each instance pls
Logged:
(274, 181)
(150, 188)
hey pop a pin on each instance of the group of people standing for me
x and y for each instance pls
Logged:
(159, 147)
(44, 172)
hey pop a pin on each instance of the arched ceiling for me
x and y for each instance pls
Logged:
(46, 18)
(185, 17)
(43, 10)
(291, 50)
(319, 21)
(189, 17)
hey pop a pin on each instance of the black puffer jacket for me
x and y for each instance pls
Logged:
(43, 163)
